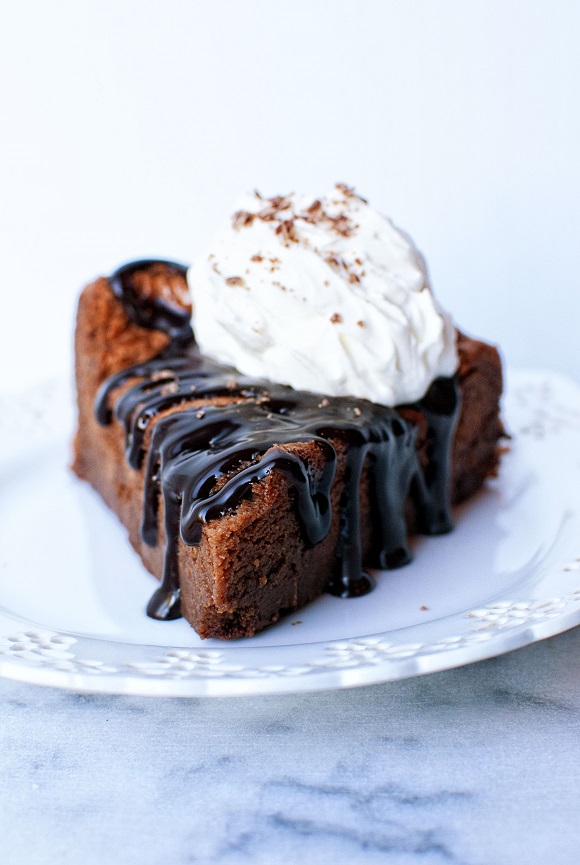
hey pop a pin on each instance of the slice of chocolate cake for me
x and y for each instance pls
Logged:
(248, 499)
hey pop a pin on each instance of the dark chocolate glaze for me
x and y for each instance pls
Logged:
(153, 312)
(205, 460)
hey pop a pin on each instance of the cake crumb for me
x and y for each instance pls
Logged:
(336, 318)
(324, 403)
(423, 608)
(356, 411)
(235, 280)
(162, 374)
(162, 282)
(256, 258)
(361, 323)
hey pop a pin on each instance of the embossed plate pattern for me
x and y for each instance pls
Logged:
(72, 592)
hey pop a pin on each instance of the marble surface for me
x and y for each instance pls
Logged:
(474, 766)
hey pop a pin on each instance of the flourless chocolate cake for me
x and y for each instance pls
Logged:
(247, 499)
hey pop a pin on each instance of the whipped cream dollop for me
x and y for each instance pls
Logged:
(325, 295)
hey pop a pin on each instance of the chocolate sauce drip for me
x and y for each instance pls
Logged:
(153, 312)
(204, 460)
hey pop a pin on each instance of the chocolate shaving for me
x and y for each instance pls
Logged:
(287, 232)
(274, 206)
(316, 215)
(348, 192)
(276, 210)
(342, 225)
(242, 219)
(334, 262)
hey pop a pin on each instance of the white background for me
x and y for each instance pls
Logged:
(128, 129)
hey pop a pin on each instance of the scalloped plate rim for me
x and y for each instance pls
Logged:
(38, 654)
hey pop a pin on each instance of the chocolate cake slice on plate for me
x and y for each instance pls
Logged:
(246, 498)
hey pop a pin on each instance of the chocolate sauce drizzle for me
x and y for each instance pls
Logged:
(205, 460)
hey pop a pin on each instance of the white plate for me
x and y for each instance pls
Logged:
(72, 592)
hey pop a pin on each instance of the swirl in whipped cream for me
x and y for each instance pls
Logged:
(325, 295)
